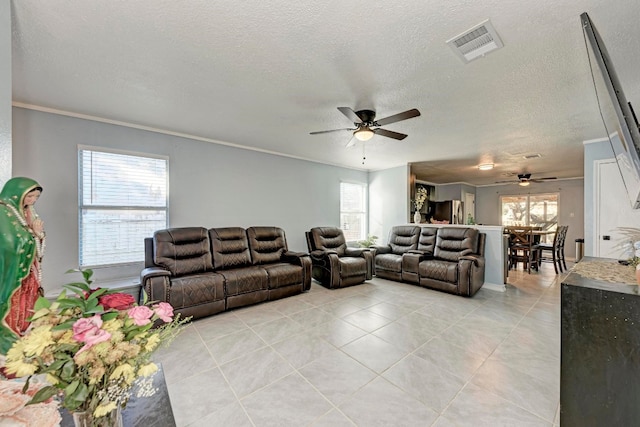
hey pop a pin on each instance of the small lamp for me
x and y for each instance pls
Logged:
(523, 183)
(363, 134)
(485, 166)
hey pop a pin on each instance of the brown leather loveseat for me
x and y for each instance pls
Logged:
(449, 259)
(201, 272)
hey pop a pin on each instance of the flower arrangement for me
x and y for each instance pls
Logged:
(630, 244)
(92, 347)
(421, 196)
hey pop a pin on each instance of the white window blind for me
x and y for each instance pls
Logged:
(353, 210)
(123, 199)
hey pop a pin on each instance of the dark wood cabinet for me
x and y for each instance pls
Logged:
(600, 352)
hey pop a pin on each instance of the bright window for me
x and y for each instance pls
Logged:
(538, 210)
(122, 200)
(353, 210)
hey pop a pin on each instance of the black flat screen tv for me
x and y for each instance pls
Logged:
(617, 113)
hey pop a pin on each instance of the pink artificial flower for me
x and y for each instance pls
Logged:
(87, 330)
(141, 315)
(164, 310)
(86, 325)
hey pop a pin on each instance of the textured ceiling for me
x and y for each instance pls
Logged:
(265, 74)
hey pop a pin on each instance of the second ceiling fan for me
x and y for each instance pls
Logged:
(525, 179)
(366, 124)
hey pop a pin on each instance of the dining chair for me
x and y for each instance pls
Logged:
(554, 252)
(522, 247)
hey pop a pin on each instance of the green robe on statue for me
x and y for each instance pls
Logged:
(20, 253)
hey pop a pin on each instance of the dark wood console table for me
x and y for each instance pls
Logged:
(153, 411)
(600, 351)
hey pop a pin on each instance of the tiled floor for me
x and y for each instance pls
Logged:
(378, 354)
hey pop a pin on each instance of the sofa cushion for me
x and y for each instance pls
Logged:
(266, 244)
(230, 247)
(328, 239)
(196, 289)
(444, 271)
(427, 241)
(283, 274)
(404, 238)
(452, 243)
(244, 280)
(182, 250)
(391, 262)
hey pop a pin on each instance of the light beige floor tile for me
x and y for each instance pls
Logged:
(374, 353)
(367, 320)
(234, 345)
(277, 330)
(255, 370)
(402, 337)
(337, 376)
(187, 346)
(476, 407)
(538, 395)
(198, 396)
(232, 415)
(425, 381)
(334, 418)
(380, 403)
(290, 401)
(456, 360)
(337, 332)
(302, 349)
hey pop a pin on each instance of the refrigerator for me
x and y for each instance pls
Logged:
(447, 210)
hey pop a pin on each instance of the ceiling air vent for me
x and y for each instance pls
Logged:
(476, 42)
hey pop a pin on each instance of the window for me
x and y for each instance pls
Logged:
(353, 210)
(539, 210)
(122, 200)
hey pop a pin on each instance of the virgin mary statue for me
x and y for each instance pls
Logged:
(21, 247)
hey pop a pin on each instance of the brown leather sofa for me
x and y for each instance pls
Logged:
(201, 272)
(334, 264)
(449, 259)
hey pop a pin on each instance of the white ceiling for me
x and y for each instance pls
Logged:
(264, 74)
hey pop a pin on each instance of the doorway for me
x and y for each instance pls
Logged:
(469, 207)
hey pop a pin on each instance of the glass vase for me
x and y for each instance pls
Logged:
(85, 419)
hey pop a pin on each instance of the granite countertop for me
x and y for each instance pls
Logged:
(603, 273)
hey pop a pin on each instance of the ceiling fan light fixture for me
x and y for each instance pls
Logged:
(363, 134)
(524, 183)
(485, 166)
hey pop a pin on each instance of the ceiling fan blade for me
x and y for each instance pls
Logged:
(351, 115)
(390, 134)
(507, 182)
(351, 142)
(329, 131)
(398, 117)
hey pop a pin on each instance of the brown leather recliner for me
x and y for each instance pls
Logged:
(334, 264)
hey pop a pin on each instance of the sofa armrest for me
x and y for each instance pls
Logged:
(356, 251)
(424, 254)
(478, 261)
(382, 249)
(320, 254)
(304, 260)
(293, 257)
(156, 283)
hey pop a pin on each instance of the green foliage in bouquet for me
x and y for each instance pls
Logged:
(93, 346)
